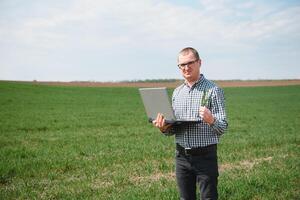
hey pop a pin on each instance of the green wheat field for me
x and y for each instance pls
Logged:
(59, 142)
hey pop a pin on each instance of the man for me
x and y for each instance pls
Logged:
(196, 143)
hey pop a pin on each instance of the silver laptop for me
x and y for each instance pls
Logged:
(156, 100)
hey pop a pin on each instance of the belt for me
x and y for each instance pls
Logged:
(195, 151)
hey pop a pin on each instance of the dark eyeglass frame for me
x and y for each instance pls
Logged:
(183, 65)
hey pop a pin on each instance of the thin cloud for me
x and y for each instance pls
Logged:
(139, 21)
(84, 31)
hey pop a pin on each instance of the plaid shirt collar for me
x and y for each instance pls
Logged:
(198, 82)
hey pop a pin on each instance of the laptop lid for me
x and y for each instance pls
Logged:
(156, 100)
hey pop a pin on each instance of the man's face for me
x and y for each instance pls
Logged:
(189, 67)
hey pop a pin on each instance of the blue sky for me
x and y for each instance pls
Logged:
(95, 40)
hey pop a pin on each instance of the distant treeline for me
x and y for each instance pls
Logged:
(180, 80)
(150, 81)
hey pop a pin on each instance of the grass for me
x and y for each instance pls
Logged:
(95, 143)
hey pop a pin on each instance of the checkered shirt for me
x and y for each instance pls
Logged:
(186, 105)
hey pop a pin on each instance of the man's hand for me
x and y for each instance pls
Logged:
(160, 123)
(206, 115)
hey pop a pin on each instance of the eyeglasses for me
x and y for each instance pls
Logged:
(183, 65)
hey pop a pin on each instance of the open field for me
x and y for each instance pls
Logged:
(59, 142)
(173, 84)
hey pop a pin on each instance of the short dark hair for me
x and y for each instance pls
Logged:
(187, 50)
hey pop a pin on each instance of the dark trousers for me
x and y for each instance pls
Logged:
(201, 169)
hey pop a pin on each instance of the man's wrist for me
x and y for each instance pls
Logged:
(165, 128)
(211, 123)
